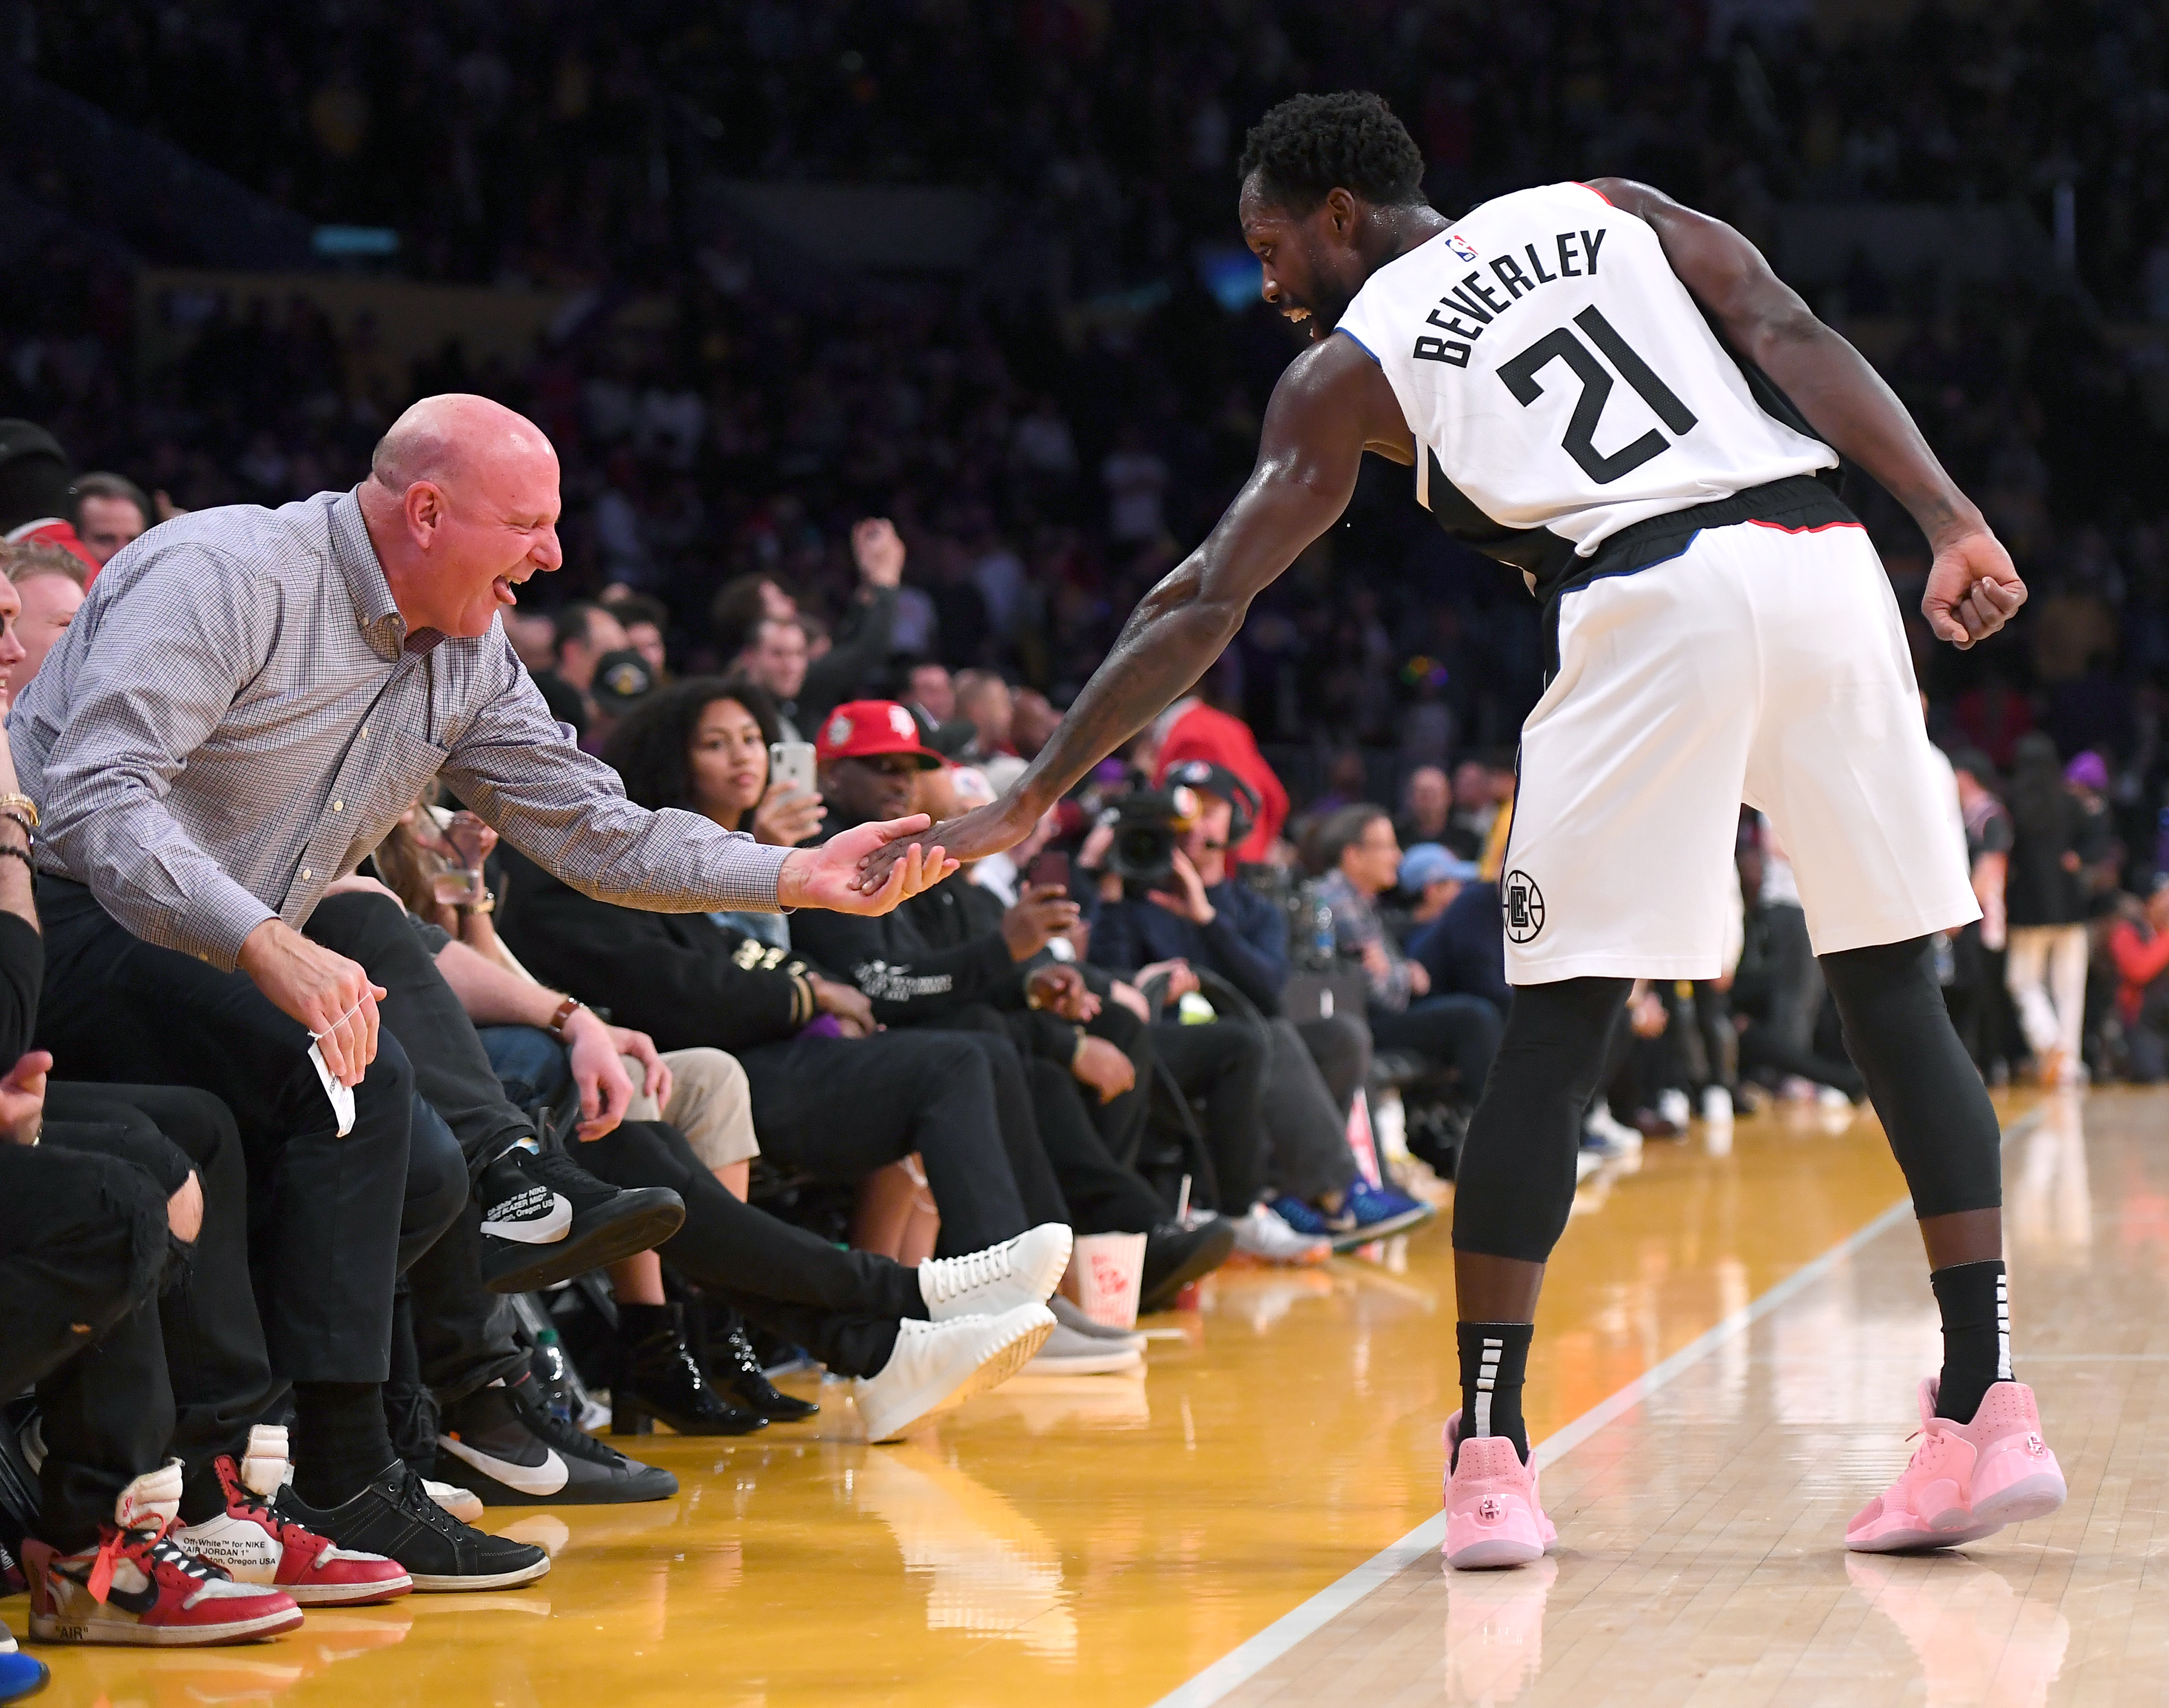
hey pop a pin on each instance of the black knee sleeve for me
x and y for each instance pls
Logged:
(1513, 1180)
(1934, 1109)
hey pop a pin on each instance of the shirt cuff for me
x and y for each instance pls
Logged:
(750, 885)
(220, 923)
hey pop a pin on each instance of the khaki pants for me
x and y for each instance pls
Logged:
(709, 1103)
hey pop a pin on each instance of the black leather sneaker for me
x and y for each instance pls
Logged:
(395, 1517)
(1175, 1255)
(544, 1219)
(512, 1452)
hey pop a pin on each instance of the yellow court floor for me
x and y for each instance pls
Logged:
(1113, 1541)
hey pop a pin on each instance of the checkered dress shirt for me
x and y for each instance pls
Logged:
(238, 715)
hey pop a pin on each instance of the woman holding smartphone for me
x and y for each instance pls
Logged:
(726, 728)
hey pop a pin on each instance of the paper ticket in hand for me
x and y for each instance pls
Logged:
(341, 1096)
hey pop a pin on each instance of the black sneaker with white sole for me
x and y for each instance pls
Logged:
(514, 1452)
(395, 1517)
(544, 1219)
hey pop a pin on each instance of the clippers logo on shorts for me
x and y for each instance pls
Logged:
(1523, 905)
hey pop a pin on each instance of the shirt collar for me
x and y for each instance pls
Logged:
(374, 607)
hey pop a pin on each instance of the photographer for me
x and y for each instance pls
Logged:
(1165, 893)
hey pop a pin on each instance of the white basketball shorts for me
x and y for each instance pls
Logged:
(1763, 665)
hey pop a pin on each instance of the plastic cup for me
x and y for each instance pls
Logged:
(1104, 1271)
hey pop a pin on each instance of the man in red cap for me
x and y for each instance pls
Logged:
(871, 757)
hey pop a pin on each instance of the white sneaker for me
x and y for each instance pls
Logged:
(1586, 1162)
(462, 1503)
(1673, 1106)
(1022, 1271)
(1830, 1097)
(1069, 1353)
(953, 1360)
(1071, 1315)
(1608, 1137)
(1264, 1236)
(1716, 1105)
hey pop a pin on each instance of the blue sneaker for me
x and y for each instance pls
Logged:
(1304, 1218)
(20, 1674)
(1373, 1212)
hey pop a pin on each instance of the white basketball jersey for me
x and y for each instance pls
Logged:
(1560, 381)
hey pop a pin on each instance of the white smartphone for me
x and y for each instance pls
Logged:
(791, 763)
(341, 1096)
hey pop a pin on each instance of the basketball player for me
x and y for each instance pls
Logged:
(1615, 397)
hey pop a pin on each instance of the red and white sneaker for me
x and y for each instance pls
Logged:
(1493, 1514)
(256, 1545)
(139, 1586)
(1965, 1481)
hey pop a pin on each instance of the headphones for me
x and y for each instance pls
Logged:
(1208, 778)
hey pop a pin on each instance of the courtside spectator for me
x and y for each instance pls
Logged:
(1459, 937)
(647, 624)
(180, 862)
(584, 635)
(49, 583)
(1459, 1033)
(110, 511)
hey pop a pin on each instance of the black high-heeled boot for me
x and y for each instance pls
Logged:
(738, 1372)
(659, 1377)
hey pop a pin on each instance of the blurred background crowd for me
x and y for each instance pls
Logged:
(758, 272)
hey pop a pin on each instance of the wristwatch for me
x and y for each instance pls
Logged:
(21, 809)
(566, 1010)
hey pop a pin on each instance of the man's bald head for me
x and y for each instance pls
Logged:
(451, 438)
(462, 507)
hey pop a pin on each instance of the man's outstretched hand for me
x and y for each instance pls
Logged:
(983, 830)
(1974, 589)
(834, 875)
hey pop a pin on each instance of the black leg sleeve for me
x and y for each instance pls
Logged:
(1514, 1181)
(1941, 1125)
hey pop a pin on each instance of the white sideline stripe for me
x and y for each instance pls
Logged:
(1247, 1659)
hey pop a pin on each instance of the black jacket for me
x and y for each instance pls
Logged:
(679, 977)
(910, 977)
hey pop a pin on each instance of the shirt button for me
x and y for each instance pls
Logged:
(307, 874)
(364, 729)
(338, 806)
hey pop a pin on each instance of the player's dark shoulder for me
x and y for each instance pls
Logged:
(1333, 389)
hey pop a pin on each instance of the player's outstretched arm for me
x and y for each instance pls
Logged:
(1331, 403)
(1973, 589)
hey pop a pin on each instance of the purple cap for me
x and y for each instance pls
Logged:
(2087, 772)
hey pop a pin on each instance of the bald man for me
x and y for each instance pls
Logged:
(245, 704)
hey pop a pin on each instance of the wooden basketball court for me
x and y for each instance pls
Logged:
(1726, 1364)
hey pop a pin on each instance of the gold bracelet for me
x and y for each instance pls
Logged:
(13, 804)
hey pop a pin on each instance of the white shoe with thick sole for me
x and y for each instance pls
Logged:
(1262, 1235)
(1022, 1271)
(462, 1503)
(938, 1361)
(1069, 1353)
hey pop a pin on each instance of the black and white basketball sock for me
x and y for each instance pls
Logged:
(1494, 1361)
(1975, 1300)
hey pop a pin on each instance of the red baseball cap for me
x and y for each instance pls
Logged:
(867, 729)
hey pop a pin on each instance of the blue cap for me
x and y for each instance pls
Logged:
(1429, 862)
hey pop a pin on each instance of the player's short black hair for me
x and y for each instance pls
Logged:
(1310, 145)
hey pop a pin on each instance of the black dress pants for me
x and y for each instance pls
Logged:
(1461, 1033)
(216, 1365)
(841, 1306)
(83, 1246)
(1224, 1065)
(835, 1109)
(323, 1211)
(1306, 1115)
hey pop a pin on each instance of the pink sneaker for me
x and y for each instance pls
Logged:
(1966, 1480)
(1493, 1516)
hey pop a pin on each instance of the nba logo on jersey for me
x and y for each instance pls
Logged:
(1459, 245)
(1524, 906)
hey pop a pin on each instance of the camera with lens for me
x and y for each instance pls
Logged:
(1148, 825)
